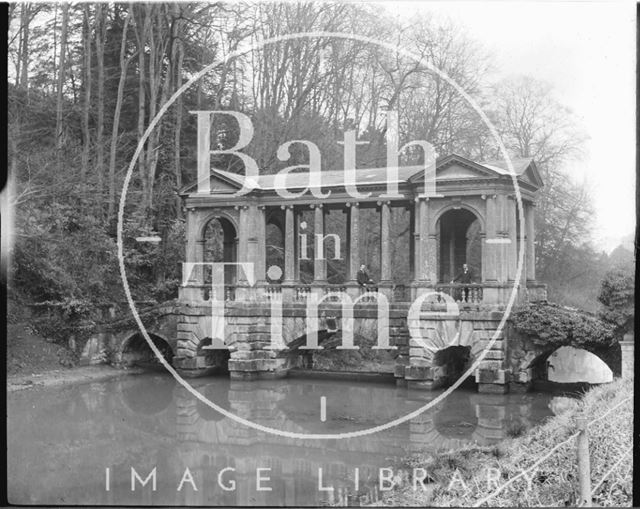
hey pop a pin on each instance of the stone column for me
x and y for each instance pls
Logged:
(385, 242)
(243, 241)
(289, 245)
(261, 236)
(425, 260)
(530, 220)
(502, 238)
(192, 235)
(489, 246)
(417, 242)
(319, 262)
(512, 231)
(354, 241)
(194, 252)
(412, 242)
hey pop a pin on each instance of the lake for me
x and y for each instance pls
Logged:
(62, 441)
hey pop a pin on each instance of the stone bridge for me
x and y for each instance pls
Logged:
(448, 344)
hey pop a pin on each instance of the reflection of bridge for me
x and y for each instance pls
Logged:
(146, 422)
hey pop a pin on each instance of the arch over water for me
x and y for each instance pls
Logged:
(136, 351)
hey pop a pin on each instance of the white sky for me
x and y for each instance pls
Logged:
(586, 50)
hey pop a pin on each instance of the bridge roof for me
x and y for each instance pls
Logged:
(525, 170)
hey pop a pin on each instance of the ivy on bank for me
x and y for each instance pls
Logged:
(552, 325)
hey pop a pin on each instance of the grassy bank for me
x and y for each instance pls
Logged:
(464, 478)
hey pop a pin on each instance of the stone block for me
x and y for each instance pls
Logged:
(185, 362)
(426, 385)
(256, 364)
(492, 376)
(400, 340)
(523, 376)
(519, 388)
(491, 364)
(201, 362)
(184, 352)
(398, 371)
(253, 354)
(418, 373)
(491, 388)
(421, 361)
(494, 355)
(417, 352)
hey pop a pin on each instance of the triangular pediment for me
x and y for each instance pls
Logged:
(219, 183)
(453, 167)
(532, 175)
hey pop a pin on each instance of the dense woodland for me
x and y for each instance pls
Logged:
(86, 79)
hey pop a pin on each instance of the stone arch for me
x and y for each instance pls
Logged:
(135, 350)
(541, 366)
(213, 251)
(456, 206)
(218, 214)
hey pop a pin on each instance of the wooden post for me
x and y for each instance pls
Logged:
(584, 466)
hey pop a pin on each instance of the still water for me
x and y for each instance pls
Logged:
(61, 441)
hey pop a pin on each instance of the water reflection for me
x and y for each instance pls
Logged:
(61, 441)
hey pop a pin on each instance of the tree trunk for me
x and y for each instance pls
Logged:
(142, 27)
(100, 36)
(86, 106)
(124, 63)
(25, 17)
(177, 169)
(61, 80)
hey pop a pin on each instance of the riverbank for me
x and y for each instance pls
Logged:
(468, 476)
(32, 361)
(75, 375)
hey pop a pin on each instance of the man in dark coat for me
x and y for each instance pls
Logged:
(464, 277)
(363, 276)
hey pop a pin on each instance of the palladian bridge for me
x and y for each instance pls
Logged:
(308, 246)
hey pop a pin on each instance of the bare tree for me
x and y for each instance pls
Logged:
(61, 81)
(124, 64)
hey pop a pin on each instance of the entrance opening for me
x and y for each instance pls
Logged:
(220, 245)
(216, 361)
(274, 251)
(569, 368)
(460, 243)
(455, 360)
(137, 352)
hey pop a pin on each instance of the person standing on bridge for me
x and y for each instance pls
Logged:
(363, 276)
(465, 277)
